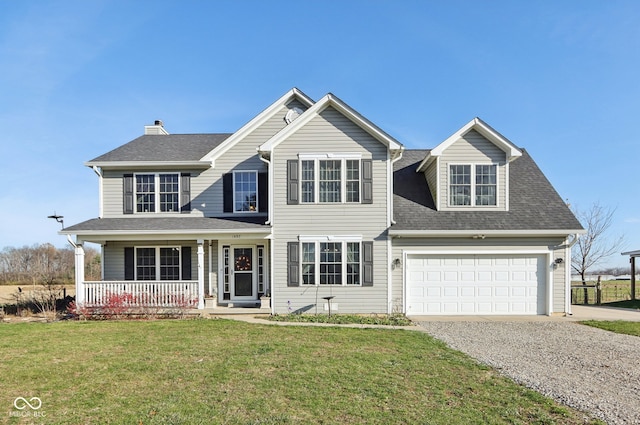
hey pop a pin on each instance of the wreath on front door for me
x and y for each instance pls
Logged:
(243, 263)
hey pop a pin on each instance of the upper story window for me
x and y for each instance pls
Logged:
(157, 192)
(245, 191)
(473, 185)
(330, 180)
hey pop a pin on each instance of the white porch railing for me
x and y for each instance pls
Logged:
(175, 293)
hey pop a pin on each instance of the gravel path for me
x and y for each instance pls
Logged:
(583, 367)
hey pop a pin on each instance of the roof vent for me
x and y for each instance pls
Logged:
(293, 113)
(156, 129)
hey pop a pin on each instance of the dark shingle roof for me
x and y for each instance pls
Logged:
(533, 202)
(173, 224)
(172, 147)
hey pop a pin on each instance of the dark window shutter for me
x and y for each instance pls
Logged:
(292, 182)
(186, 263)
(263, 192)
(129, 263)
(227, 192)
(128, 193)
(185, 192)
(293, 264)
(367, 263)
(367, 181)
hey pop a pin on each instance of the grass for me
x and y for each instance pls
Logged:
(632, 304)
(617, 326)
(226, 372)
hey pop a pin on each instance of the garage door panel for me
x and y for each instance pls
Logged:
(476, 284)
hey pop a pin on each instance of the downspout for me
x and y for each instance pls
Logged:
(271, 255)
(397, 156)
(567, 298)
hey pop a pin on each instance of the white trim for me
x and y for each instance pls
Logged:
(259, 120)
(338, 155)
(330, 238)
(200, 255)
(389, 277)
(147, 164)
(506, 186)
(482, 232)
(473, 185)
(438, 190)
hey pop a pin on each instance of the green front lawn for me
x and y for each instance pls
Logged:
(617, 326)
(632, 304)
(226, 372)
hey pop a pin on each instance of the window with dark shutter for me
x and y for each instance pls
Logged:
(367, 263)
(127, 190)
(292, 182)
(293, 264)
(185, 192)
(367, 181)
(227, 192)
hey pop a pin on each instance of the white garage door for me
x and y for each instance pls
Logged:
(475, 284)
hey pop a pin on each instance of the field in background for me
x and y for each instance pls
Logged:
(612, 290)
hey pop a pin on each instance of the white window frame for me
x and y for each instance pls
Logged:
(233, 183)
(156, 193)
(343, 240)
(473, 184)
(342, 157)
(158, 263)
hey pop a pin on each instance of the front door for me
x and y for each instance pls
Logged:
(244, 283)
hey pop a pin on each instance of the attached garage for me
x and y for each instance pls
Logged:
(484, 284)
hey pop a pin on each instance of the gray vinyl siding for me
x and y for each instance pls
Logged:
(559, 280)
(207, 191)
(112, 192)
(474, 149)
(114, 257)
(474, 246)
(431, 174)
(331, 132)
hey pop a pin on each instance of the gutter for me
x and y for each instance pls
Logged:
(397, 156)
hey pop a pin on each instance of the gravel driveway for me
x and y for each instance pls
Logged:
(586, 368)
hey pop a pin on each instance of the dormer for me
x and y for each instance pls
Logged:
(470, 169)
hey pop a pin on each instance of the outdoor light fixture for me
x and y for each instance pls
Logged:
(57, 218)
(559, 261)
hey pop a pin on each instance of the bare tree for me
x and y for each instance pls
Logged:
(595, 246)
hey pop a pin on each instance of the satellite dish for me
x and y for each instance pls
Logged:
(293, 113)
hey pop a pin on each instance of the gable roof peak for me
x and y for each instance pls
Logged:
(331, 100)
(485, 130)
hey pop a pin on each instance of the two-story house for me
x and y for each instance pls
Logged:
(310, 200)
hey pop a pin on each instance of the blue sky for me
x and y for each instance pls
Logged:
(79, 78)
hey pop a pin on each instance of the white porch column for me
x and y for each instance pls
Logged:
(79, 263)
(200, 274)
